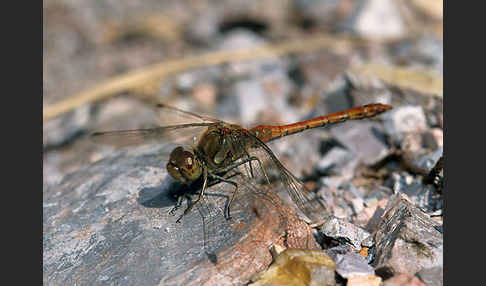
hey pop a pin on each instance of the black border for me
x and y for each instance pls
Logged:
(22, 176)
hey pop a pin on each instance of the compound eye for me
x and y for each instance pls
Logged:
(189, 161)
(183, 167)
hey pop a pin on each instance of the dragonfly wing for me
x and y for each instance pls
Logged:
(184, 133)
(310, 205)
(169, 115)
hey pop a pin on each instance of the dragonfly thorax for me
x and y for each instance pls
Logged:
(221, 146)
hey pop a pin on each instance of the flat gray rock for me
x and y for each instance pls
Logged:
(108, 224)
(351, 264)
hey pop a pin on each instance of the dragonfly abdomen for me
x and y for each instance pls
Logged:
(271, 132)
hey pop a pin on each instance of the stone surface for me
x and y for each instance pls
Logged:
(335, 161)
(424, 196)
(403, 120)
(344, 231)
(378, 19)
(364, 280)
(433, 276)
(428, 161)
(364, 139)
(242, 40)
(404, 280)
(406, 239)
(64, 129)
(352, 264)
(299, 267)
(107, 223)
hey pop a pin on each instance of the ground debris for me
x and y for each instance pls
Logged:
(299, 267)
(406, 239)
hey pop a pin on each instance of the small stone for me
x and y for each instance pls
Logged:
(243, 40)
(322, 13)
(364, 280)
(431, 276)
(351, 264)
(378, 19)
(434, 138)
(342, 230)
(203, 28)
(339, 250)
(334, 161)
(186, 81)
(404, 120)
(423, 196)
(62, 129)
(250, 95)
(363, 138)
(428, 161)
(403, 280)
(298, 267)
(368, 242)
(205, 94)
(406, 240)
(427, 50)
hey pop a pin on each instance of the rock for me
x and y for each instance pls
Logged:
(344, 231)
(434, 138)
(321, 14)
(428, 161)
(431, 276)
(188, 80)
(352, 264)
(364, 280)
(403, 120)
(322, 71)
(376, 210)
(117, 114)
(203, 29)
(250, 95)
(262, 95)
(299, 267)
(423, 196)
(403, 280)
(63, 129)
(425, 51)
(341, 249)
(344, 199)
(243, 40)
(406, 239)
(335, 161)
(107, 223)
(363, 139)
(205, 95)
(378, 19)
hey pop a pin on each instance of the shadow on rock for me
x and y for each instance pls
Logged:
(161, 196)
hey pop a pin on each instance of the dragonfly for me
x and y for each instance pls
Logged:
(215, 148)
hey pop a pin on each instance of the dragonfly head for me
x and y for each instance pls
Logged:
(183, 167)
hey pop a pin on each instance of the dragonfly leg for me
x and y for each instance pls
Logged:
(249, 162)
(244, 161)
(177, 206)
(261, 167)
(201, 195)
(228, 216)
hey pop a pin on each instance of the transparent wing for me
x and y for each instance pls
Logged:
(169, 116)
(311, 206)
(184, 133)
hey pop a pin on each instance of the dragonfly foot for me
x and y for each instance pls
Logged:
(173, 210)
